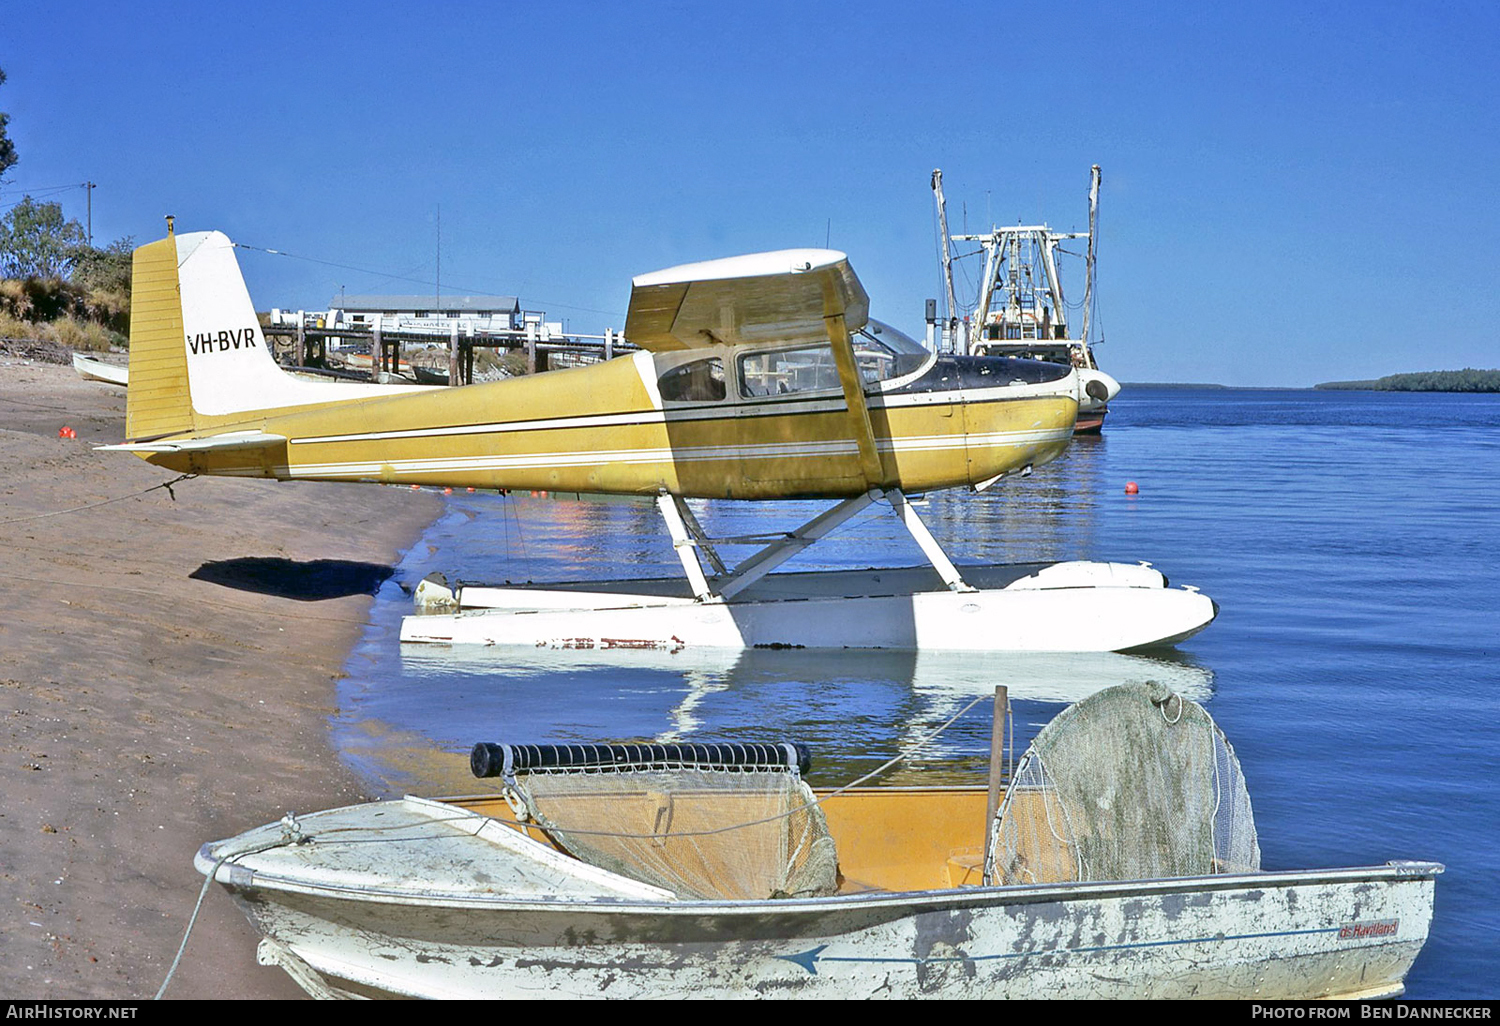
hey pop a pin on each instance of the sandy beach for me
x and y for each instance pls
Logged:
(167, 674)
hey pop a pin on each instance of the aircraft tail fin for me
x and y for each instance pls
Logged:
(157, 401)
(199, 361)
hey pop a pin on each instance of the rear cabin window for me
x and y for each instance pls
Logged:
(701, 381)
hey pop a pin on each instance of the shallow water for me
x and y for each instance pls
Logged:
(1347, 537)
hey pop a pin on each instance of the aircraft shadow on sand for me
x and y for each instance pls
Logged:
(307, 581)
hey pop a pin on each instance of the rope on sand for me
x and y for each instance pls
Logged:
(119, 498)
(291, 834)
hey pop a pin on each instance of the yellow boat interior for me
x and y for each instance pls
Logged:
(887, 839)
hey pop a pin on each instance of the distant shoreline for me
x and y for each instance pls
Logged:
(1467, 380)
(1170, 384)
(1449, 382)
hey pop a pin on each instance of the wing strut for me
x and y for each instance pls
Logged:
(929, 545)
(689, 538)
(854, 389)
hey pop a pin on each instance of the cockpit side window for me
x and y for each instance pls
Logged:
(701, 381)
(804, 369)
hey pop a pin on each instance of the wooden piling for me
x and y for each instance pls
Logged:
(453, 376)
(997, 772)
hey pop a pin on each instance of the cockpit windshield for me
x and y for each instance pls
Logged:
(880, 351)
(884, 352)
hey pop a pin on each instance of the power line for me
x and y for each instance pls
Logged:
(43, 188)
(400, 277)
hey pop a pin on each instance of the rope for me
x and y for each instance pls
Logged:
(285, 838)
(33, 406)
(119, 498)
(1162, 707)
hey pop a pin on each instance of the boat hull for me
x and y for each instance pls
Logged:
(1340, 933)
(1091, 421)
(1059, 607)
(453, 898)
(97, 370)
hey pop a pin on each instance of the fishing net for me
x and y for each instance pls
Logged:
(703, 821)
(1133, 783)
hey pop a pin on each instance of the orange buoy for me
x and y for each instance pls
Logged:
(469, 490)
(66, 432)
(447, 491)
(416, 488)
(1131, 488)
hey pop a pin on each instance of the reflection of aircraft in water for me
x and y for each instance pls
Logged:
(941, 682)
(1059, 677)
(761, 377)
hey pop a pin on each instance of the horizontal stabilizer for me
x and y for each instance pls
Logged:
(762, 297)
(226, 442)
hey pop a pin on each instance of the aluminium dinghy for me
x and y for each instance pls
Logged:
(1123, 862)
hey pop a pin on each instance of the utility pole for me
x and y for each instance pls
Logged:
(88, 188)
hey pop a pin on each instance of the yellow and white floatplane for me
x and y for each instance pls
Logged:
(759, 377)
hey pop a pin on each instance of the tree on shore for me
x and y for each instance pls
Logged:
(36, 241)
(8, 156)
(1469, 379)
(53, 284)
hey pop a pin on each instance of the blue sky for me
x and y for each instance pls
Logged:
(1292, 192)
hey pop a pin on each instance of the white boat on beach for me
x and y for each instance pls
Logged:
(1122, 862)
(92, 369)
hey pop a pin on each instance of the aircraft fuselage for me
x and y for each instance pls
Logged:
(607, 428)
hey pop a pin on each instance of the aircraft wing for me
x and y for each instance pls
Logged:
(229, 440)
(761, 297)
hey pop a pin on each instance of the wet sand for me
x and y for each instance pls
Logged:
(167, 674)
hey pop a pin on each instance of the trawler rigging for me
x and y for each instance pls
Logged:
(1021, 309)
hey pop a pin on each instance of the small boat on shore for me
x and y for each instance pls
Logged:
(1123, 861)
(92, 369)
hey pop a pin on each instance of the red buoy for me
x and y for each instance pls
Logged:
(1131, 488)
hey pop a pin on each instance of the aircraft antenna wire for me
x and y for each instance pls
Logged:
(402, 277)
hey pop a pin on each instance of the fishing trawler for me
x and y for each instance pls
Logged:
(1021, 310)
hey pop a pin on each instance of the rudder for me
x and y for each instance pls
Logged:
(158, 401)
(199, 361)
